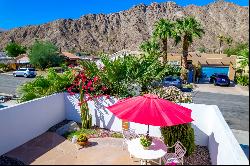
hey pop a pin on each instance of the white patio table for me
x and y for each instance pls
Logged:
(156, 151)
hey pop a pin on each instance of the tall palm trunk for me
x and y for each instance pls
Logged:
(165, 50)
(185, 52)
(220, 46)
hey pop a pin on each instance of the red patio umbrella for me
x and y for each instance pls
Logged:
(151, 110)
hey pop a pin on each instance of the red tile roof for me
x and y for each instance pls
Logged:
(70, 56)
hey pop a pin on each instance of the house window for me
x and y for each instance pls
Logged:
(174, 63)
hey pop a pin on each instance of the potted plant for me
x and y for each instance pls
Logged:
(146, 141)
(82, 139)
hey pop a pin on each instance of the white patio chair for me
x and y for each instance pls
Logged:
(177, 156)
(127, 136)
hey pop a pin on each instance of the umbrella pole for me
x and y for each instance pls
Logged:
(148, 131)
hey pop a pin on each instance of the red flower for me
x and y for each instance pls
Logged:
(71, 93)
(104, 88)
(96, 78)
(107, 96)
(91, 89)
(89, 83)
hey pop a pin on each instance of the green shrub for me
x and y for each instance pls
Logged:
(173, 94)
(87, 132)
(236, 49)
(45, 85)
(117, 135)
(4, 67)
(14, 49)
(242, 80)
(44, 54)
(183, 133)
(146, 141)
(188, 86)
(122, 74)
(82, 138)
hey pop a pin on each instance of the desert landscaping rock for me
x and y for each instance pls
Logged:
(199, 157)
(67, 128)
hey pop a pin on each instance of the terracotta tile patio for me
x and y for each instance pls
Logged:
(52, 149)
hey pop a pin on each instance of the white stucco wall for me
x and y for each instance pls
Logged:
(210, 130)
(223, 147)
(23, 122)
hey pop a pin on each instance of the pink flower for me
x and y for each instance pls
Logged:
(104, 88)
(89, 83)
(91, 89)
(96, 78)
(71, 93)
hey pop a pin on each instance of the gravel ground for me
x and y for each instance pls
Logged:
(9, 161)
(199, 157)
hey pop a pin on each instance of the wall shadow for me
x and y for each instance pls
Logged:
(37, 147)
(101, 111)
(213, 147)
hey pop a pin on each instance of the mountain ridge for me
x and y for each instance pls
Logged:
(128, 28)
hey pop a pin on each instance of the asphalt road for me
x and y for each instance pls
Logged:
(9, 83)
(235, 108)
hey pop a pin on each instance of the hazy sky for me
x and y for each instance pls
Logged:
(15, 13)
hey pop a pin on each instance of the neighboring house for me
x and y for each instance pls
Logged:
(22, 61)
(70, 58)
(123, 53)
(210, 63)
(89, 58)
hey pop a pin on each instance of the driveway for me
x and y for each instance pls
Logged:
(9, 84)
(232, 90)
(233, 103)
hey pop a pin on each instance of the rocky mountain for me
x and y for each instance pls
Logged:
(1, 30)
(127, 29)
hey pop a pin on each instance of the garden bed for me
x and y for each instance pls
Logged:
(94, 132)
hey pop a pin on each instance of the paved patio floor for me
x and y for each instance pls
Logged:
(52, 149)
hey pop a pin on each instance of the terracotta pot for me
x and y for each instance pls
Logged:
(146, 148)
(82, 143)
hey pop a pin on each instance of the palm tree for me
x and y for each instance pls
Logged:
(221, 39)
(186, 30)
(163, 30)
(151, 47)
(229, 41)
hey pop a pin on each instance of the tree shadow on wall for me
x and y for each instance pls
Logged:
(101, 112)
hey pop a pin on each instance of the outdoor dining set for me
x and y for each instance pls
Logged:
(151, 110)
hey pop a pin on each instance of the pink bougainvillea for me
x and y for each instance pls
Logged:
(89, 88)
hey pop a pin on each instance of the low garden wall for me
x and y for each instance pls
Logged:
(23, 122)
(210, 130)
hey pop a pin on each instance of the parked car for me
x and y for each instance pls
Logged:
(25, 72)
(219, 79)
(172, 81)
